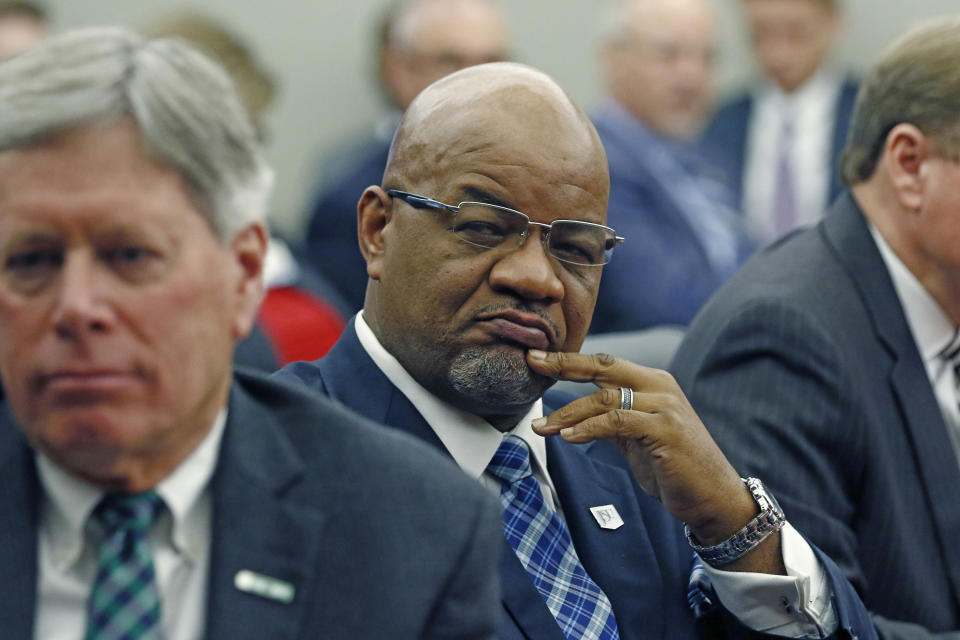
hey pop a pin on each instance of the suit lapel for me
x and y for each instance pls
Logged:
(262, 545)
(621, 561)
(847, 232)
(351, 377)
(19, 500)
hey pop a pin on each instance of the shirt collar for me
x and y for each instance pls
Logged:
(182, 490)
(931, 328)
(815, 90)
(470, 439)
(69, 500)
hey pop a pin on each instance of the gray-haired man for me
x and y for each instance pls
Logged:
(148, 491)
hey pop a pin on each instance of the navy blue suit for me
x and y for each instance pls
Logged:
(643, 566)
(661, 193)
(807, 374)
(331, 245)
(726, 138)
(385, 554)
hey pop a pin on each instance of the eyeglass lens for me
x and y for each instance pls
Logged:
(570, 241)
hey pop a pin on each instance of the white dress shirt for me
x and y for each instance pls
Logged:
(69, 543)
(932, 331)
(796, 605)
(811, 110)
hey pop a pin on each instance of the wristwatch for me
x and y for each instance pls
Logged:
(769, 520)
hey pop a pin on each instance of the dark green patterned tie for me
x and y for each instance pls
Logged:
(124, 602)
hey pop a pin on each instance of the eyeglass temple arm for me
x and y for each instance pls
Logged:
(420, 202)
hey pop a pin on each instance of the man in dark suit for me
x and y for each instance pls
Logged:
(484, 248)
(780, 142)
(420, 41)
(148, 491)
(685, 237)
(829, 364)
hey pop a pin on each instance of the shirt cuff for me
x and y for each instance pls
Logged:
(797, 605)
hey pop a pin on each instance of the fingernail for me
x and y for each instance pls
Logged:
(567, 432)
(537, 354)
(539, 422)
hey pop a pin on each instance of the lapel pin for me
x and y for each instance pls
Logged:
(264, 586)
(607, 517)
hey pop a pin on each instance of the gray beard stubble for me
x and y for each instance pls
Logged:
(496, 378)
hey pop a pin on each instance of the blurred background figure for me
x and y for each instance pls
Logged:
(683, 236)
(781, 140)
(420, 41)
(302, 314)
(22, 25)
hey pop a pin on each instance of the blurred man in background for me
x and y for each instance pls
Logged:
(780, 142)
(420, 41)
(685, 238)
(22, 25)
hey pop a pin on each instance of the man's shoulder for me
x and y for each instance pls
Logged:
(736, 103)
(734, 109)
(357, 162)
(327, 435)
(797, 277)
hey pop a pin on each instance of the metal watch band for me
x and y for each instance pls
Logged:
(769, 520)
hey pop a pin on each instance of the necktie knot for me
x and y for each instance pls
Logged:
(128, 511)
(511, 462)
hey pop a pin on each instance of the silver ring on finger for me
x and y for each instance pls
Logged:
(626, 398)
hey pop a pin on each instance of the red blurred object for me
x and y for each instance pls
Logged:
(300, 325)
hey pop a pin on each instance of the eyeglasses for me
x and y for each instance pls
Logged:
(491, 226)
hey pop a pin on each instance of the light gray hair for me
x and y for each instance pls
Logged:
(916, 81)
(185, 107)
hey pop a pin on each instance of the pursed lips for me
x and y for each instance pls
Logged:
(527, 329)
(83, 378)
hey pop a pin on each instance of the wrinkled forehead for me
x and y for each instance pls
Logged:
(524, 137)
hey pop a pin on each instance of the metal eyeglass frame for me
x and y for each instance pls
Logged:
(423, 202)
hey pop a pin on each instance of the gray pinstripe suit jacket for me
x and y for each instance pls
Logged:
(804, 369)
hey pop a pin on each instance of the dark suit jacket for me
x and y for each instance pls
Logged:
(661, 274)
(726, 138)
(804, 369)
(331, 238)
(381, 537)
(643, 566)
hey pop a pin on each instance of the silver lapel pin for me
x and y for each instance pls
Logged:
(264, 586)
(607, 516)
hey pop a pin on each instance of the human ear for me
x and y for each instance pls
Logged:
(248, 249)
(906, 150)
(374, 212)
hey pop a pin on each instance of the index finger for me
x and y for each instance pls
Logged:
(602, 369)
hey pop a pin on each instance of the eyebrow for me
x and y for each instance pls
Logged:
(477, 194)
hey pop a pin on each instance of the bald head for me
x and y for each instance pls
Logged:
(451, 295)
(510, 110)
(659, 61)
(428, 39)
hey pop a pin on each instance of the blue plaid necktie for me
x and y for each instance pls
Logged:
(124, 603)
(542, 542)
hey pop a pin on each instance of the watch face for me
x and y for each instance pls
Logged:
(765, 499)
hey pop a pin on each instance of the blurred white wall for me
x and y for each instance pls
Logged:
(321, 54)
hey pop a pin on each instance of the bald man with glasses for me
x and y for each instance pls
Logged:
(484, 249)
